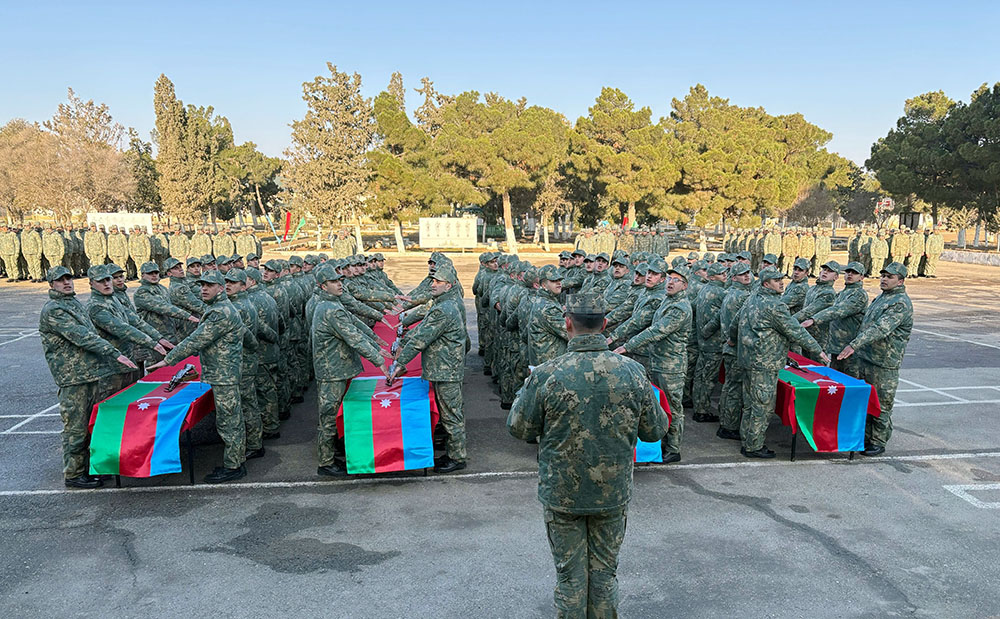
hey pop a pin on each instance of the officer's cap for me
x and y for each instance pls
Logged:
(446, 273)
(211, 277)
(769, 273)
(683, 272)
(771, 258)
(193, 260)
(236, 275)
(801, 263)
(894, 268)
(114, 269)
(739, 269)
(149, 267)
(855, 266)
(833, 265)
(170, 263)
(586, 303)
(717, 268)
(98, 272)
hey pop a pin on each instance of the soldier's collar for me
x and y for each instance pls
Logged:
(587, 342)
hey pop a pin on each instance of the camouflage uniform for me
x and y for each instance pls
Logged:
(160, 245)
(200, 244)
(179, 245)
(731, 400)
(54, 247)
(879, 252)
(10, 252)
(183, 296)
(822, 252)
(277, 291)
(853, 246)
(642, 318)
(710, 340)
(934, 247)
(267, 369)
(843, 319)
(31, 249)
(586, 409)
(880, 345)
(223, 245)
(819, 297)
(152, 302)
(789, 251)
(246, 243)
(547, 329)
(95, 244)
(140, 248)
(77, 357)
(248, 369)
(479, 288)
(118, 250)
(807, 248)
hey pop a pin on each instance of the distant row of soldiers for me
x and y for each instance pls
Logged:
(786, 244)
(919, 252)
(26, 254)
(607, 240)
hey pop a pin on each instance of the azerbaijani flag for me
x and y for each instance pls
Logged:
(831, 407)
(651, 452)
(388, 428)
(136, 431)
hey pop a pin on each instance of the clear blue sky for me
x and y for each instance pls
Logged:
(847, 66)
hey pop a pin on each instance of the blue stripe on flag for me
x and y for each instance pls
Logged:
(170, 416)
(415, 422)
(853, 409)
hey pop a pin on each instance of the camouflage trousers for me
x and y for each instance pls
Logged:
(876, 267)
(490, 341)
(251, 410)
(511, 353)
(585, 552)
(448, 395)
(329, 446)
(818, 261)
(481, 327)
(284, 381)
(692, 363)
(706, 378)
(229, 422)
(848, 366)
(879, 429)
(11, 266)
(267, 396)
(303, 358)
(787, 263)
(731, 400)
(673, 386)
(75, 404)
(760, 387)
(34, 262)
(113, 383)
(930, 264)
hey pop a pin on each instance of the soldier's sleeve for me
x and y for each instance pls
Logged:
(668, 323)
(653, 420)
(891, 317)
(361, 309)
(59, 322)
(793, 331)
(355, 338)
(527, 417)
(420, 338)
(104, 319)
(153, 303)
(208, 331)
(414, 316)
(369, 294)
(417, 299)
(819, 304)
(186, 300)
(845, 306)
(709, 320)
(619, 313)
(265, 332)
(553, 321)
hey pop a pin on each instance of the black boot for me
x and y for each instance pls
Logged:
(221, 474)
(255, 453)
(763, 453)
(447, 465)
(86, 482)
(334, 470)
(727, 434)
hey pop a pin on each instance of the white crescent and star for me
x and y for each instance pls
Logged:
(145, 405)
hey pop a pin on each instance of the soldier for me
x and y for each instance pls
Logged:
(547, 334)
(487, 270)
(933, 248)
(586, 409)
(822, 252)
(95, 245)
(914, 250)
(179, 244)
(223, 244)
(772, 242)
(271, 275)
(623, 311)
(880, 345)
(762, 334)
(795, 292)
(663, 244)
(731, 400)
(161, 247)
(123, 330)
(899, 246)
(76, 357)
(31, 249)
(710, 339)
(246, 242)
(267, 363)
(443, 342)
(601, 278)
(853, 249)
(844, 317)
(201, 243)
(617, 290)
(53, 246)
(140, 248)
(152, 302)
(182, 295)
(118, 251)
(643, 314)
(10, 252)
(768, 260)
(807, 248)
(819, 297)
(236, 281)
(789, 251)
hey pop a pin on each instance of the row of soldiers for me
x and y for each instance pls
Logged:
(250, 324)
(684, 345)
(918, 252)
(787, 244)
(26, 254)
(607, 240)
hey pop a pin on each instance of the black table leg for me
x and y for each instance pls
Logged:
(850, 455)
(795, 436)
(118, 481)
(190, 456)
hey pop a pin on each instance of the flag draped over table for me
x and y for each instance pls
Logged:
(651, 452)
(830, 408)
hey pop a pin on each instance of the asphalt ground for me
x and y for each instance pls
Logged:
(912, 533)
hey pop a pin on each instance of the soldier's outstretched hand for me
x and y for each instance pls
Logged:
(808, 322)
(825, 358)
(620, 350)
(388, 355)
(158, 364)
(122, 359)
(166, 344)
(160, 349)
(194, 319)
(847, 352)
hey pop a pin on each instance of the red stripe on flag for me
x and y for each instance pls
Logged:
(874, 406)
(826, 415)
(387, 428)
(139, 433)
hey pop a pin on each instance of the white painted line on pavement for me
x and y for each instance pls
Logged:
(291, 485)
(24, 416)
(962, 492)
(18, 339)
(932, 389)
(952, 337)
(948, 389)
(33, 432)
(899, 404)
(14, 427)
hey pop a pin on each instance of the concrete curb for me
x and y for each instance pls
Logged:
(971, 257)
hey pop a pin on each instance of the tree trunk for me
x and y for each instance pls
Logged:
(631, 214)
(398, 230)
(979, 229)
(357, 232)
(319, 235)
(534, 235)
(545, 232)
(260, 205)
(934, 213)
(508, 224)
(961, 238)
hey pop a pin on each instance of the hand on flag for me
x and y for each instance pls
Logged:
(194, 319)
(808, 322)
(160, 349)
(847, 352)
(122, 359)
(158, 364)
(620, 350)
(166, 344)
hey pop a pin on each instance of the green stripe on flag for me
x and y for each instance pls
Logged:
(806, 395)
(358, 441)
(106, 440)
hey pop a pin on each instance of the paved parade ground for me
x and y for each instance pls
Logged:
(912, 533)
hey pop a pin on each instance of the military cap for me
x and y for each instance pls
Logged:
(683, 271)
(801, 263)
(252, 256)
(894, 268)
(725, 257)
(589, 258)
(273, 265)
(531, 276)
(656, 265)
(833, 265)
(255, 275)
(603, 256)
(743, 255)
(98, 272)
(326, 272)
(550, 273)
(170, 263)
(678, 261)
(693, 255)
(770, 258)
(620, 257)
(114, 269)
(311, 259)
(586, 303)
(236, 275)
(641, 269)
(709, 257)
(855, 266)
(193, 260)
(224, 260)
(563, 255)
(739, 269)
(235, 258)
(211, 277)
(208, 259)
(698, 265)
(716, 268)
(768, 273)
(295, 260)
(446, 273)
(378, 257)
(149, 267)
(579, 252)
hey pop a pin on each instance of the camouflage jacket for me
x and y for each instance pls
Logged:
(76, 354)
(368, 293)
(807, 246)
(140, 248)
(586, 408)
(200, 244)
(248, 315)
(618, 290)
(218, 340)
(844, 317)
(822, 246)
(736, 296)
(280, 296)
(267, 324)
(917, 245)
(819, 297)
(621, 313)
(10, 244)
(790, 246)
(547, 334)
(152, 302)
(296, 308)
(54, 247)
(160, 244)
(245, 244)
(885, 329)
(442, 340)
(118, 247)
(337, 342)
(795, 294)
(387, 282)
(642, 318)
(765, 329)
(599, 282)
(31, 243)
(934, 245)
(179, 245)
(124, 300)
(666, 338)
(182, 296)
(710, 298)
(880, 248)
(574, 278)
(480, 286)
(508, 313)
(122, 329)
(223, 245)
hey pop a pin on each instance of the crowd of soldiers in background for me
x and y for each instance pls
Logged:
(607, 239)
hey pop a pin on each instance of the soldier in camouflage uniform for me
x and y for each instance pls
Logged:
(487, 270)
(442, 341)
(623, 311)
(223, 244)
(710, 340)
(822, 252)
(617, 290)
(182, 295)
(586, 409)
(547, 336)
(179, 245)
(795, 292)
(807, 248)
(644, 312)
(53, 246)
(731, 401)
(246, 242)
(201, 243)
(789, 251)
(267, 363)
(152, 302)
(78, 359)
(853, 246)
(763, 333)
(10, 252)
(276, 289)
(236, 282)
(218, 341)
(819, 297)
(844, 317)
(880, 346)
(865, 249)
(31, 249)
(118, 250)
(879, 252)
(699, 278)
(95, 245)
(140, 248)
(933, 248)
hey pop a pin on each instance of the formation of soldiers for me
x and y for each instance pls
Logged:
(263, 332)
(28, 253)
(918, 251)
(607, 240)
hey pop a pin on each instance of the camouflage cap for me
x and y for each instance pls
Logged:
(769, 273)
(224, 260)
(98, 272)
(717, 268)
(208, 259)
(802, 263)
(586, 303)
(327, 272)
(709, 257)
(579, 252)
(114, 269)
(770, 258)
(590, 258)
(235, 258)
(894, 268)
(149, 267)
(739, 269)
(378, 257)
(833, 265)
(698, 265)
(564, 255)
(641, 269)
(530, 276)
(273, 265)
(211, 277)
(322, 256)
(193, 260)
(684, 272)
(603, 256)
(693, 255)
(855, 266)
(236, 275)
(311, 259)
(550, 273)
(446, 273)
(255, 275)
(295, 260)
(743, 255)
(252, 256)
(620, 257)
(170, 263)
(656, 265)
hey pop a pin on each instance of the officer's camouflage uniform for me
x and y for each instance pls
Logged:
(844, 319)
